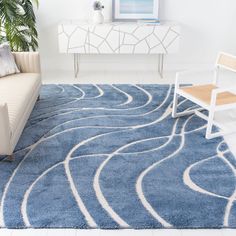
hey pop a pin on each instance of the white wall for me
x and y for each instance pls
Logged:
(207, 27)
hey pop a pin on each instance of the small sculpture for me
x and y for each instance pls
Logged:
(98, 17)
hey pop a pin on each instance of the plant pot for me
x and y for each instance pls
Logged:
(98, 17)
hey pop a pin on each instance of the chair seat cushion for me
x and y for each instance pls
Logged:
(203, 93)
(17, 91)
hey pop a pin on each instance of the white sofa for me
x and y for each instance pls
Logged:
(18, 95)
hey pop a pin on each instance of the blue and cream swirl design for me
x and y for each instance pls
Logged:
(111, 157)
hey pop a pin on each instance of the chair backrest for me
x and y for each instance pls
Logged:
(226, 61)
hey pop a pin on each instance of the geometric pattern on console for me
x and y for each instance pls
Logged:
(118, 38)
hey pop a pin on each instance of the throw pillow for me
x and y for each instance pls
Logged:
(7, 62)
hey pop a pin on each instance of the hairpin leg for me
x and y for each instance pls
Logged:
(76, 64)
(161, 64)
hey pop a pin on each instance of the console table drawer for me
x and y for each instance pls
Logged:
(73, 38)
(104, 39)
(118, 38)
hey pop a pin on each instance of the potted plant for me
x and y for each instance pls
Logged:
(98, 17)
(18, 24)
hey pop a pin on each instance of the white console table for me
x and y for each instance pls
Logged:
(118, 38)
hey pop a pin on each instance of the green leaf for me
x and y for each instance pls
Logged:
(18, 24)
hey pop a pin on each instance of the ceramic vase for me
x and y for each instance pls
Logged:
(98, 17)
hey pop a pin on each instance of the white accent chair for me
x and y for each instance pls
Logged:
(18, 95)
(210, 97)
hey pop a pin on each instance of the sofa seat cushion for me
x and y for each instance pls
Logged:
(17, 91)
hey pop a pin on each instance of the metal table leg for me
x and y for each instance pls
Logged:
(161, 65)
(76, 64)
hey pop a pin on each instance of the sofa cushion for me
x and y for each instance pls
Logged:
(7, 62)
(17, 91)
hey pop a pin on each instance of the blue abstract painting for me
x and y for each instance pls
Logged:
(136, 6)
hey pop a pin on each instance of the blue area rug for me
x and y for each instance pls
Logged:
(111, 157)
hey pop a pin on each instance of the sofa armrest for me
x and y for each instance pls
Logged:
(5, 132)
(28, 62)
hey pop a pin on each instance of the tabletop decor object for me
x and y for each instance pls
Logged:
(98, 17)
(132, 10)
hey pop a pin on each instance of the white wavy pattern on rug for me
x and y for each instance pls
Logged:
(111, 157)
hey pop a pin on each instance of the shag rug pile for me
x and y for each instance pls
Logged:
(111, 157)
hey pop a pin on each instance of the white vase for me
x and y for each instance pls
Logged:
(98, 17)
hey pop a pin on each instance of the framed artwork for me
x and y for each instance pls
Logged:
(131, 10)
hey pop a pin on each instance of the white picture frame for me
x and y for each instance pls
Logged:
(150, 10)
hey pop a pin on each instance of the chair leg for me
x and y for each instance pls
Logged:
(175, 105)
(210, 123)
(175, 114)
(10, 158)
